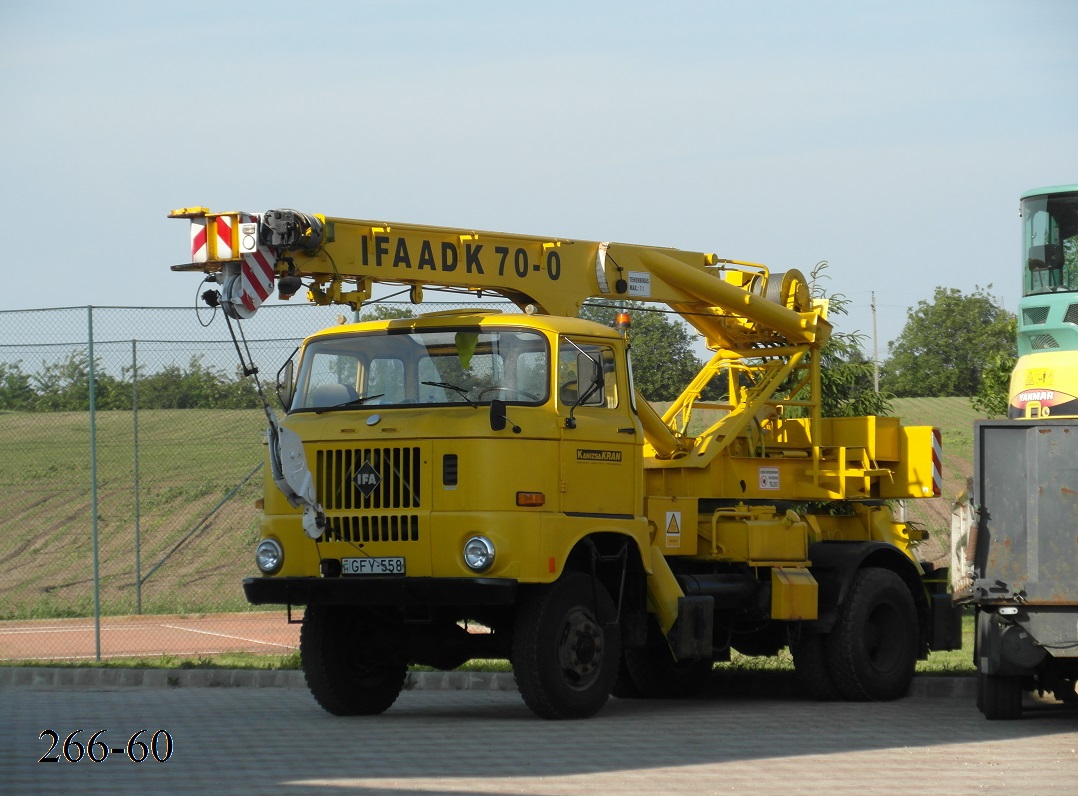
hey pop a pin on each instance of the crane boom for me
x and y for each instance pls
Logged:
(734, 304)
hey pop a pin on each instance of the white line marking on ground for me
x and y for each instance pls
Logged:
(225, 635)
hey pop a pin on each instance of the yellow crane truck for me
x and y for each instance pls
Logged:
(484, 484)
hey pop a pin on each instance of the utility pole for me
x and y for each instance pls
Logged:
(875, 349)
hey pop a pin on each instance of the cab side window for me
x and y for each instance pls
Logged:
(587, 375)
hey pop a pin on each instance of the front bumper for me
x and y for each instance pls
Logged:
(366, 590)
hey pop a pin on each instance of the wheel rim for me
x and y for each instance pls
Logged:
(365, 669)
(580, 649)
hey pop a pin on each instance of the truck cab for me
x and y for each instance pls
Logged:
(490, 422)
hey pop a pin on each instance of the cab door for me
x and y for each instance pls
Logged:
(601, 442)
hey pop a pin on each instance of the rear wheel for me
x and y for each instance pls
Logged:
(351, 662)
(811, 669)
(1001, 695)
(872, 649)
(566, 648)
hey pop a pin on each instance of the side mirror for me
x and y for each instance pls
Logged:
(285, 386)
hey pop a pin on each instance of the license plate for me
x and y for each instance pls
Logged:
(387, 565)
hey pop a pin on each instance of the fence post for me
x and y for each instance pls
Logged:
(138, 529)
(93, 481)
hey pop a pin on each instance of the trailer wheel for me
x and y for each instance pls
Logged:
(1001, 695)
(872, 649)
(658, 676)
(811, 669)
(566, 648)
(351, 666)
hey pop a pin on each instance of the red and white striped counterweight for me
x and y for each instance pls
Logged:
(246, 275)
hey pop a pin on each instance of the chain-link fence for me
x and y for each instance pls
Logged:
(130, 463)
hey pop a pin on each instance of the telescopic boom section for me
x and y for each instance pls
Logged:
(734, 305)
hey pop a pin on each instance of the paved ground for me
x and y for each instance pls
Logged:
(275, 740)
(149, 635)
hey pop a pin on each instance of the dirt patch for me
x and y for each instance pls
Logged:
(176, 635)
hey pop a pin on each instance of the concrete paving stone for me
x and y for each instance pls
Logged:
(233, 740)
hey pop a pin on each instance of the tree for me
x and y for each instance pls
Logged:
(16, 391)
(946, 345)
(383, 312)
(993, 394)
(64, 386)
(195, 386)
(846, 378)
(663, 359)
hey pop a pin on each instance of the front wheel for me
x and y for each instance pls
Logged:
(351, 662)
(566, 648)
(872, 649)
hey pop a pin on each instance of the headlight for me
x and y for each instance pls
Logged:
(269, 556)
(479, 553)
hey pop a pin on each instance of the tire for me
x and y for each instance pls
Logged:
(1001, 696)
(351, 663)
(657, 675)
(812, 672)
(566, 648)
(977, 658)
(872, 649)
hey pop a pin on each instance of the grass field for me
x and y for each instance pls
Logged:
(954, 417)
(188, 462)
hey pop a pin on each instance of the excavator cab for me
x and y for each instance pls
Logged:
(1044, 382)
(1050, 242)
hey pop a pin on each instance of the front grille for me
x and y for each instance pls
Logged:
(1072, 314)
(372, 528)
(396, 486)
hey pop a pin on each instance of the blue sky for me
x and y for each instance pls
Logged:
(891, 140)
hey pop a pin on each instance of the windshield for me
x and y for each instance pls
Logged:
(1050, 243)
(437, 368)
